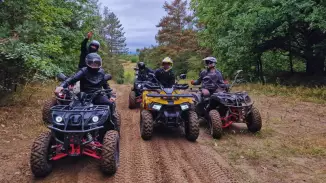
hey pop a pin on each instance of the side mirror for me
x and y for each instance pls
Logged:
(152, 74)
(107, 77)
(61, 77)
(183, 76)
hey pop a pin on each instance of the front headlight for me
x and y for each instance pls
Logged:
(58, 119)
(157, 107)
(184, 107)
(95, 119)
(139, 85)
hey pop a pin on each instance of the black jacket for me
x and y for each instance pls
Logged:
(83, 53)
(89, 81)
(216, 77)
(167, 79)
(143, 75)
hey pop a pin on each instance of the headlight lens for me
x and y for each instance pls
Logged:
(157, 107)
(58, 119)
(184, 107)
(139, 85)
(95, 119)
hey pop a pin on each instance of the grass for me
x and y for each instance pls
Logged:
(129, 72)
(317, 95)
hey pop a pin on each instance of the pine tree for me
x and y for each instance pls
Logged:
(113, 33)
(176, 28)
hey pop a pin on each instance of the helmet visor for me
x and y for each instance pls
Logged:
(208, 62)
(95, 63)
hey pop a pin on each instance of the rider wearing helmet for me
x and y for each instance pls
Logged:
(92, 79)
(165, 74)
(143, 71)
(92, 48)
(211, 72)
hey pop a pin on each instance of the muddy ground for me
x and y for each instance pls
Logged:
(290, 148)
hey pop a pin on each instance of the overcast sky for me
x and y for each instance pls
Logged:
(138, 17)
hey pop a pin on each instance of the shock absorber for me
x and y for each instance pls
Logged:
(89, 137)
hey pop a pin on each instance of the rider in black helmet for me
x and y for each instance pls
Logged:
(143, 71)
(92, 48)
(91, 79)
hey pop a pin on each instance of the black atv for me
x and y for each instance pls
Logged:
(63, 98)
(223, 108)
(77, 129)
(135, 95)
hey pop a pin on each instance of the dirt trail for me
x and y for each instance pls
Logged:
(168, 157)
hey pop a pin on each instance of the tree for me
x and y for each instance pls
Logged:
(113, 33)
(249, 33)
(176, 29)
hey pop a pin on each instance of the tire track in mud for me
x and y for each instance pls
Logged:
(168, 157)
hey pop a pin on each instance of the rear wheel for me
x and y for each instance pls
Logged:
(118, 123)
(216, 124)
(46, 113)
(192, 127)
(132, 100)
(110, 153)
(40, 163)
(254, 122)
(146, 125)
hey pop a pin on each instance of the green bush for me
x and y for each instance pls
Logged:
(134, 59)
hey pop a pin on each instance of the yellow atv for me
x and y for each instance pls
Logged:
(168, 107)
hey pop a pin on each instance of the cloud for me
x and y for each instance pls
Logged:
(139, 19)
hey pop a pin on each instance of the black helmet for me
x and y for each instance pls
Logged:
(141, 65)
(93, 46)
(93, 61)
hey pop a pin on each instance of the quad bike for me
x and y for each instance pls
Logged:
(223, 108)
(168, 107)
(58, 99)
(77, 129)
(135, 95)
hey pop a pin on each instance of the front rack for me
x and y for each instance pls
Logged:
(168, 95)
(65, 111)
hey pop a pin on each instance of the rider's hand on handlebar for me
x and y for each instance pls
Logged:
(112, 99)
(58, 89)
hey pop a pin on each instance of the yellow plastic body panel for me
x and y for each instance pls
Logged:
(149, 100)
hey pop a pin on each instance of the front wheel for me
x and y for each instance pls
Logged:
(215, 124)
(146, 125)
(40, 163)
(46, 113)
(192, 127)
(110, 152)
(254, 122)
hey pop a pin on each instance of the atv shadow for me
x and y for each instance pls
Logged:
(168, 133)
(235, 128)
(66, 168)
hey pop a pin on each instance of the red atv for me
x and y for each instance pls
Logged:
(223, 108)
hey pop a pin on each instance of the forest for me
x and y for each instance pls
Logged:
(41, 38)
(272, 41)
(279, 41)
